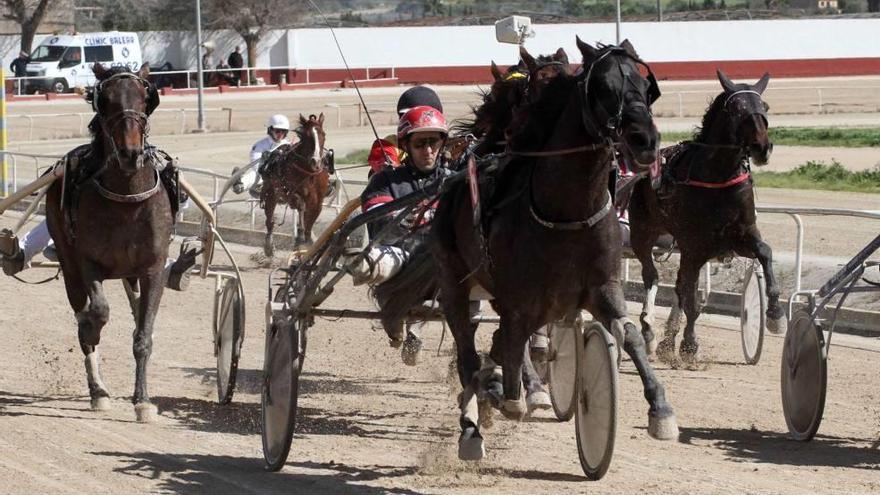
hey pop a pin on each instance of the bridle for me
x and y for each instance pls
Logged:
(610, 129)
(106, 123)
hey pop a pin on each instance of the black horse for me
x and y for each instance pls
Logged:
(551, 245)
(707, 203)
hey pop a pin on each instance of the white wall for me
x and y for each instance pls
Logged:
(476, 45)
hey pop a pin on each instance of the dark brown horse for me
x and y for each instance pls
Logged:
(296, 175)
(111, 219)
(551, 247)
(707, 203)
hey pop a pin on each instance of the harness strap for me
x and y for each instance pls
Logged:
(718, 185)
(566, 151)
(579, 225)
(128, 198)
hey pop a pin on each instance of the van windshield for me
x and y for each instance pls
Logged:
(47, 53)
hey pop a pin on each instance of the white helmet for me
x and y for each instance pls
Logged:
(278, 121)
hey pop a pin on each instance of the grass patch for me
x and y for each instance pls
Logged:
(355, 157)
(842, 137)
(819, 175)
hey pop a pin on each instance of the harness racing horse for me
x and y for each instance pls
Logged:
(296, 175)
(113, 221)
(707, 203)
(551, 248)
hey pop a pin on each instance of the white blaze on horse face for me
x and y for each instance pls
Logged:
(317, 154)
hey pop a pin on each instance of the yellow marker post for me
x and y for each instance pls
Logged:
(4, 176)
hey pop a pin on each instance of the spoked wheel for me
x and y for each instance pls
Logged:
(596, 405)
(228, 337)
(752, 314)
(562, 368)
(281, 370)
(804, 376)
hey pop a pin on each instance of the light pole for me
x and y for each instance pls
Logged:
(199, 81)
(618, 22)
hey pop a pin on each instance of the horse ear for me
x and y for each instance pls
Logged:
(761, 85)
(144, 72)
(98, 70)
(561, 56)
(496, 72)
(628, 46)
(321, 119)
(586, 49)
(528, 59)
(728, 85)
(302, 120)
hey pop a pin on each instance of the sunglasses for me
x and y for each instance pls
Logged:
(280, 131)
(434, 143)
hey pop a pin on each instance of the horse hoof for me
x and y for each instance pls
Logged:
(538, 401)
(146, 412)
(410, 350)
(689, 352)
(514, 409)
(470, 445)
(101, 404)
(665, 350)
(777, 326)
(665, 428)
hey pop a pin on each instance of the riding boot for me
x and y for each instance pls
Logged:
(11, 253)
(179, 272)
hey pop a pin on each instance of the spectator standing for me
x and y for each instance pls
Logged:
(236, 61)
(19, 69)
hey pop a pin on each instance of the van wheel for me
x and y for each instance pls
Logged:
(59, 86)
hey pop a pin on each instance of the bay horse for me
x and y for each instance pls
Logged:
(707, 203)
(296, 175)
(111, 219)
(551, 247)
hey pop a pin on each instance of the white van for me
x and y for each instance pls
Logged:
(65, 61)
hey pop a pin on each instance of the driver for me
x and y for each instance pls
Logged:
(421, 134)
(277, 128)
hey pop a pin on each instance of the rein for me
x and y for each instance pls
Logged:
(566, 151)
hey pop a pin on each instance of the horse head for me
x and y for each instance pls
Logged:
(746, 116)
(616, 101)
(544, 68)
(123, 101)
(311, 135)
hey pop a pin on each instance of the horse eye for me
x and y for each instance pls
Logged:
(766, 106)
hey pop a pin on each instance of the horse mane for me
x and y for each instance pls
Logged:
(533, 123)
(716, 106)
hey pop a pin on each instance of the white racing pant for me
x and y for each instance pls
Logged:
(35, 242)
(378, 265)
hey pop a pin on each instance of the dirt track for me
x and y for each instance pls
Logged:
(368, 424)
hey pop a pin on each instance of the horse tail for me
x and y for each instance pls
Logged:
(415, 284)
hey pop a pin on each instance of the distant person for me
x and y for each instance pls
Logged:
(236, 61)
(19, 69)
(277, 129)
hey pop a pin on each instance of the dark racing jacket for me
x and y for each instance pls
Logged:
(391, 184)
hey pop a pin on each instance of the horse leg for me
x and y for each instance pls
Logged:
(309, 217)
(142, 346)
(508, 345)
(686, 289)
(776, 321)
(537, 397)
(608, 306)
(269, 210)
(91, 319)
(643, 245)
(455, 307)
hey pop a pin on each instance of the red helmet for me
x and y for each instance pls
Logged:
(421, 119)
(382, 153)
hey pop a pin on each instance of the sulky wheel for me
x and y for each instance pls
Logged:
(562, 368)
(228, 337)
(596, 405)
(281, 370)
(752, 317)
(804, 376)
